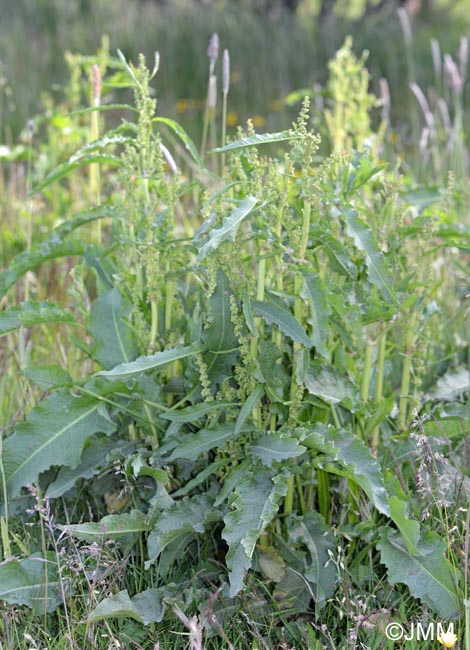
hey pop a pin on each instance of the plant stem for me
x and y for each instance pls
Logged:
(298, 278)
(323, 494)
(154, 322)
(224, 129)
(258, 322)
(367, 371)
(406, 375)
(379, 384)
(4, 519)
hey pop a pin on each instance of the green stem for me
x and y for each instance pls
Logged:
(300, 494)
(379, 385)
(406, 375)
(224, 128)
(95, 195)
(4, 519)
(205, 128)
(154, 322)
(305, 229)
(258, 324)
(323, 494)
(367, 371)
(289, 498)
(170, 290)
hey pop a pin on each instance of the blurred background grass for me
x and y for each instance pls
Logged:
(273, 51)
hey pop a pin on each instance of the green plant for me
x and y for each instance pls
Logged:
(241, 374)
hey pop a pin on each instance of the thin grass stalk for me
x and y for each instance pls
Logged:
(410, 64)
(212, 117)
(225, 89)
(212, 53)
(4, 519)
(95, 181)
(466, 568)
(29, 222)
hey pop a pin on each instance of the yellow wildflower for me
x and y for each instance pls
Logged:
(182, 106)
(448, 639)
(232, 118)
(277, 105)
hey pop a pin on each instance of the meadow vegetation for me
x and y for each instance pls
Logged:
(234, 390)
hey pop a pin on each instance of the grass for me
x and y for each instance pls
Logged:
(275, 449)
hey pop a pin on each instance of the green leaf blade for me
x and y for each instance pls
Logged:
(53, 434)
(150, 362)
(314, 293)
(285, 321)
(229, 228)
(428, 574)
(114, 338)
(256, 140)
(365, 241)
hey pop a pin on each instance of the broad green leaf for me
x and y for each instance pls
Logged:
(180, 522)
(272, 564)
(204, 440)
(287, 323)
(30, 313)
(255, 503)
(33, 582)
(196, 412)
(229, 228)
(113, 138)
(275, 374)
(274, 448)
(93, 457)
(409, 528)
(52, 248)
(365, 241)
(146, 607)
(114, 338)
(116, 606)
(150, 362)
(314, 293)
(429, 575)
(317, 537)
(65, 168)
(351, 453)
(422, 197)
(219, 340)
(330, 384)
(293, 592)
(52, 376)
(103, 107)
(53, 434)
(448, 427)
(259, 138)
(184, 137)
(28, 260)
(113, 527)
(452, 384)
(248, 406)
